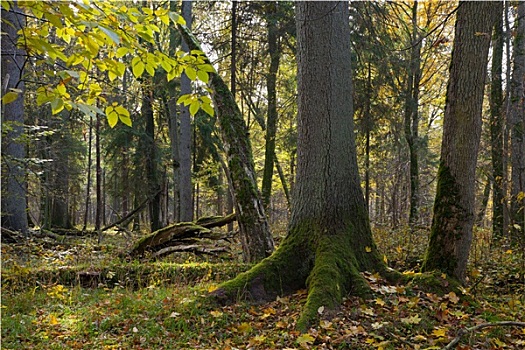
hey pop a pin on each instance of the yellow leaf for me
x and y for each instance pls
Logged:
(385, 259)
(216, 314)
(453, 297)
(53, 320)
(9, 97)
(368, 249)
(411, 320)
(439, 333)
(305, 339)
(380, 302)
(137, 66)
(244, 328)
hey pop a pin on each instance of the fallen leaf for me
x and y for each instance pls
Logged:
(216, 314)
(304, 339)
(439, 333)
(453, 297)
(320, 310)
(411, 320)
(244, 328)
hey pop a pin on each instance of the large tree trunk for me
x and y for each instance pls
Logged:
(14, 202)
(454, 211)
(496, 127)
(256, 238)
(271, 121)
(517, 122)
(329, 239)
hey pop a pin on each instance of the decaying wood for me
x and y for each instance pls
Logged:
(129, 216)
(465, 331)
(192, 248)
(178, 235)
(9, 236)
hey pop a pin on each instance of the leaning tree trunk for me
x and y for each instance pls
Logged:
(454, 213)
(256, 238)
(517, 122)
(329, 239)
(14, 202)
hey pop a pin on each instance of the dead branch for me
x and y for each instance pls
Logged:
(464, 331)
(179, 234)
(193, 248)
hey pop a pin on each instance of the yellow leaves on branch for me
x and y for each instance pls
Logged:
(101, 35)
(116, 112)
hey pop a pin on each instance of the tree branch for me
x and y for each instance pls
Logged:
(462, 332)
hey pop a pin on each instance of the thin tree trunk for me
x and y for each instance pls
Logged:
(174, 123)
(454, 210)
(14, 188)
(98, 185)
(151, 157)
(89, 165)
(412, 117)
(484, 202)
(271, 121)
(496, 127)
(186, 188)
(517, 123)
(233, 89)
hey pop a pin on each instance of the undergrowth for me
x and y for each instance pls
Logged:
(46, 303)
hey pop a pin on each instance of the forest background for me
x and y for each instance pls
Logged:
(113, 142)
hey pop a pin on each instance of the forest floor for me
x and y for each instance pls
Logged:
(77, 294)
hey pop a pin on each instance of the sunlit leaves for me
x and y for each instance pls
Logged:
(103, 39)
(116, 112)
(196, 102)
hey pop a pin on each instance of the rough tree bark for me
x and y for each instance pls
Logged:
(451, 232)
(329, 239)
(256, 238)
(517, 122)
(14, 202)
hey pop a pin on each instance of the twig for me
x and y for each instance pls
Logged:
(462, 332)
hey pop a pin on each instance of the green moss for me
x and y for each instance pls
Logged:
(446, 226)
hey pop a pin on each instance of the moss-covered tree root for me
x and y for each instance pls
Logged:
(325, 264)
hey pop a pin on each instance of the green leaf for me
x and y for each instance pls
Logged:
(122, 51)
(57, 105)
(183, 98)
(206, 107)
(191, 73)
(203, 76)
(112, 116)
(111, 34)
(194, 107)
(9, 97)
(137, 66)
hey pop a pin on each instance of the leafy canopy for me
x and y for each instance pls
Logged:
(102, 39)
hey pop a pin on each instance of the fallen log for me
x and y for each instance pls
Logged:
(178, 234)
